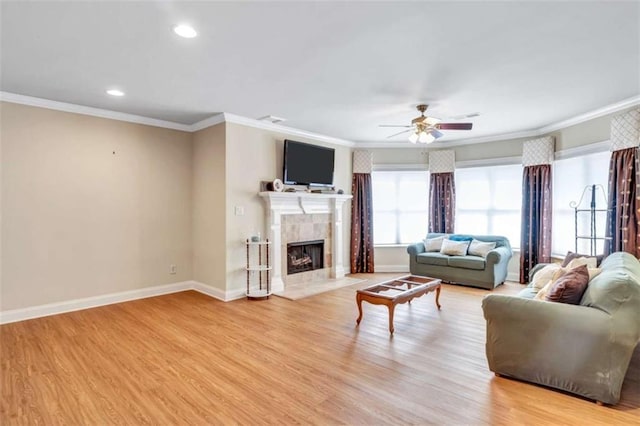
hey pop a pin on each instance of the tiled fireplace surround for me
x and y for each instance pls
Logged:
(301, 216)
(306, 227)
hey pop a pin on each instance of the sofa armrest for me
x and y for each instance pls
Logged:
(499, 255)
(570, 347)
(415, 249)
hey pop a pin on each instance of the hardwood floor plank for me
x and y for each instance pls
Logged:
(185, 358)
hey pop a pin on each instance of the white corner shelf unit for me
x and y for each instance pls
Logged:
(259, 270)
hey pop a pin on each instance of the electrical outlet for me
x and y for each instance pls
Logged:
(173, 269)
(239, 211)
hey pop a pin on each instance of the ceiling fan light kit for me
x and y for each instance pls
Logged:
(427, 129)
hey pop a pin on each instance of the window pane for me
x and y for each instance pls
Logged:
(472, 223)
(400, 206)
(570, 178)
(413, 227)
(507, 225)
(488, 201)
(384, 228)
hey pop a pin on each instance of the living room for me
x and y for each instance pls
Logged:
(106, 200)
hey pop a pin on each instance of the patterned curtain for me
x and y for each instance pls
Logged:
(535, 240)
(442, 202)
(622, 217)
(361, 224)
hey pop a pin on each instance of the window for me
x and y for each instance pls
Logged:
(570, 177)
(400, 206)
(489, 201)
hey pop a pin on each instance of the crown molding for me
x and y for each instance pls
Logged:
(207, 122)
(94, 112)
(592, 148)
(250, 122)
(237, 119)
(600, 112)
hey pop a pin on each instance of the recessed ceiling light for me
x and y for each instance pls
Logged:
(115, 92)
(185, 31)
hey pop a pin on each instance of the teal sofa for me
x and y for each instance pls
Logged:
(583, 349)
(474, 271)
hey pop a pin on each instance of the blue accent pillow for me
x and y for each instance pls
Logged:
(460, 237)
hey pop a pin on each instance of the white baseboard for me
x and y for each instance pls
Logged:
(513, 276)
(216, 293)
(31, 312)
(391, 268)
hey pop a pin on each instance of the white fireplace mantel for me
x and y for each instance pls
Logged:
(281, 203)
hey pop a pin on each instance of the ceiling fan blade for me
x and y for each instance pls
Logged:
(454, 126)
(393, 125)
(436, 134)
(396, 134)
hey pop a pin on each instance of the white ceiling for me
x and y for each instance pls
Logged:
(334, 68)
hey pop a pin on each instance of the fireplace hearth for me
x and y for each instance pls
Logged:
(305, 256)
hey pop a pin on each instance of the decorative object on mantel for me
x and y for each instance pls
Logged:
(258, 273)
(276, 185)
(593, 211)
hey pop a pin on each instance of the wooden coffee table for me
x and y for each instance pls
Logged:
(399, 290)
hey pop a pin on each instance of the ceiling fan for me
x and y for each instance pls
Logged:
(427, 129)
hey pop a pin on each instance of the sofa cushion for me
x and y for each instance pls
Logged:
(467, 262)
(433, 259)
(454, 248)
(528, 293)
(570, 287)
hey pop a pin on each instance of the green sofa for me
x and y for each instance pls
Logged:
(475, 271)
(583, 349)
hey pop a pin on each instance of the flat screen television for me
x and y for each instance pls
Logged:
(306, 164)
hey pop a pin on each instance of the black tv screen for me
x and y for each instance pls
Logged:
(306, 164)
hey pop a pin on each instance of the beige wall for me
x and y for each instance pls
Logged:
(255, 155)
(90, 206)
(209, 206)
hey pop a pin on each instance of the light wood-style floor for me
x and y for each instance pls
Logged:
(189, 359)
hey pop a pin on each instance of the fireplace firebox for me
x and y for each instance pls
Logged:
(305, 256)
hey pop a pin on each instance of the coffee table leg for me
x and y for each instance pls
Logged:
(391, 307)
(359, 301)
(438, 297)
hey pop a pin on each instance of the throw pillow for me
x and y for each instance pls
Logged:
(480, 248)
(570, 287)
(460, 237)
(454, 248)
(589, 261)
(542, 294)
(433, 244)
(542, 277)
(579, 261)
(571, 255)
